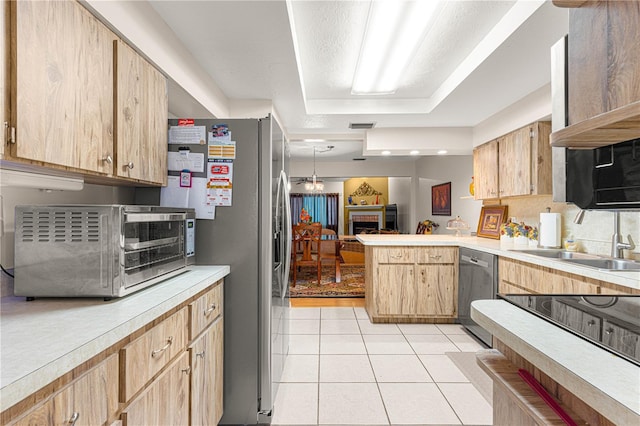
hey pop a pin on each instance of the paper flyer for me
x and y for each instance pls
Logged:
(187, 135)
(220, 182)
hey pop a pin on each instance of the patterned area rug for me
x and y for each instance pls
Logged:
(350, 285)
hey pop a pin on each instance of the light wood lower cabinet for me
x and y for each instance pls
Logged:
(168, 372)
(411, 284)
(165, 401)
(522, 277)
(90, 400)
(207, 355)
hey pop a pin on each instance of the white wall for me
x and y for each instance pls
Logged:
(400, 194)
(457, 170)
(427, 140)
(383, 167)
(533, 107)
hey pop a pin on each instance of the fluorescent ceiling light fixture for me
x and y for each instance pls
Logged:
(442, 152)
(20, 179)
(314, 140)
(395, 29)
(386, 153)
(414, 152)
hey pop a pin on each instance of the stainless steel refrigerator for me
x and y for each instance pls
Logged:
(253, 236)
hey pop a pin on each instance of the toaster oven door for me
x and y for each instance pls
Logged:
(153, 245)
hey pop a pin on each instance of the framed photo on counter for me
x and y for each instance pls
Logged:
(491, 217)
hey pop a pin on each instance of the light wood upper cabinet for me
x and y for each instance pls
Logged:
(518, 163)
(485, 170)
(62, 84)
(91, 400)
(603, 79)
(141, 117)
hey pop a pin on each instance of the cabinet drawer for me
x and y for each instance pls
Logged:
(436, 255)
(395, 255)
(91, 399)
(141, 359)
(204, 310)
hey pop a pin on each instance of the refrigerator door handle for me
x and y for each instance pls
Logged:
(287, 231)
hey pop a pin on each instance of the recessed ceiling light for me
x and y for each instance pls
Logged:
(386, 153)
(314, 140)
(442, 152)
(414, 152)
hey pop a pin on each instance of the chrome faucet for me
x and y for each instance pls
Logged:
(617, 246)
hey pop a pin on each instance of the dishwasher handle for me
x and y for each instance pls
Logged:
(474, 261)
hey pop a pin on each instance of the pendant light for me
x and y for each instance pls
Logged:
(314, 185)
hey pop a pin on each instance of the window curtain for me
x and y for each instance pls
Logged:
(322, 208)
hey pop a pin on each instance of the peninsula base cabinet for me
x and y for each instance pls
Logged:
(411, 284)
(169, 372)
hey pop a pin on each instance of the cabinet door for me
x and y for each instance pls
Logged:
(165, 401)
(485, 170)
(576, 319)
(395, 290)
(514, 161)
(207, 373)
(90, 400)
(141, 117)
(63, 100)
(436, 290)
(130, 85)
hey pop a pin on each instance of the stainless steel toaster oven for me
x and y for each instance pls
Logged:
(99, 250)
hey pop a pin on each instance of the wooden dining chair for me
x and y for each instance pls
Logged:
(305, 236)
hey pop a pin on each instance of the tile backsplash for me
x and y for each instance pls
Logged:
(593, 235)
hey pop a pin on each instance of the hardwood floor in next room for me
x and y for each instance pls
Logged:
(344, 370)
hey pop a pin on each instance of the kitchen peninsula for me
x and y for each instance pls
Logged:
(433, 259)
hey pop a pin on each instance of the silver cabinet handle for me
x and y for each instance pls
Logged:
(211, 309)
(201, 354)
(108, 159)
(162, 349)
(437, 256)
(608, 330)
(591, 322)
(186, 370)
(130, 165)
(74, 418)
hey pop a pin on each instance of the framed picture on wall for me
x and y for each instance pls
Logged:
(491, 217)
(441, 199)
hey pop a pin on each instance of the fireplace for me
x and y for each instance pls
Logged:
(365, 218)
(359, 227)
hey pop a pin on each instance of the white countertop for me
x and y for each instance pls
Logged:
(45, 338)
(608, 383)
(625, 278)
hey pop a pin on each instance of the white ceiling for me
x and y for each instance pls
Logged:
(478, 58)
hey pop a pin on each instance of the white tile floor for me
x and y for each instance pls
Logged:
(344, 370)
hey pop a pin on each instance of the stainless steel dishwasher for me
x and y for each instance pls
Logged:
(478, 279)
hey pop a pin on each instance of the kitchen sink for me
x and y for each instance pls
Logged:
(608, 264)
(590, 260)
(557, 254)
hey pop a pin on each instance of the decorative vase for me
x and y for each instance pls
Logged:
(428, 231)
(472, 187)
(533, 243)
(521, 240)
(506, 240)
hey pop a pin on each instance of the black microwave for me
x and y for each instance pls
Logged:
(604, 178)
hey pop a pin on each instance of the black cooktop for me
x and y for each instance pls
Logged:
(611, 322)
